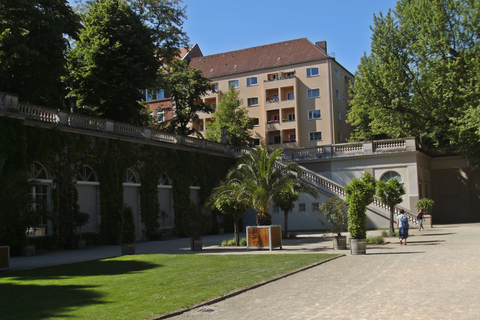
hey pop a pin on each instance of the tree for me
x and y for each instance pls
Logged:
(421, 78)
(229, 115)
(186, 86)
(390, 194)
(230, 199)
(112, 60)
(286, 198)
(32, 49)
(360, 194)
(261, 179)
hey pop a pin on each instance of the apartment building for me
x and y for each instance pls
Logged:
(296, 92)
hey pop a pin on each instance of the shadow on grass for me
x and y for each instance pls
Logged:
(35, 302)
(83, 269)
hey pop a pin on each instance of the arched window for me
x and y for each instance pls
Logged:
(389, 175)
(39, 193)
(131, 177)
(164, 180)
(86, 174)
(38, 172)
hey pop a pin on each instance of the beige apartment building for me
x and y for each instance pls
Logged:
(296, 92)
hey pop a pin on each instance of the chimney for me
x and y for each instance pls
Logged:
(322, 45)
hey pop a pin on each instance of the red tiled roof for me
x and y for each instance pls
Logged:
(256, 58)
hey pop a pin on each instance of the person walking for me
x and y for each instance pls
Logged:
(420, 220)
(402, 225)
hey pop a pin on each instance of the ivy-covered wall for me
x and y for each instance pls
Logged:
(64, 153)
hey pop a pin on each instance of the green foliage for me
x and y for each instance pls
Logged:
(198, 221)
(233, 242)
(375, 240)
(113, 58)
(187, 86)
(360, 194)
(390, 194)
(128, 225)
(229, 115)
(32, 49)
(422, 76)
(425, 204)
(334, 210)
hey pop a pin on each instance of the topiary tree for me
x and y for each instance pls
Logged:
(390, 194)
(425, 204)
(360, 194)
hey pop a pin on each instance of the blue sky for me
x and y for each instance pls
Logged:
(220, 25)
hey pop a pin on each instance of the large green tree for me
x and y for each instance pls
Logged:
(187, 86)
(421, 77)
(112, 60)
(32, 49)
(233, 117)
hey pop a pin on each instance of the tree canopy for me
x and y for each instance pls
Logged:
(33, 41)
(112, 60)
(421, 78)
(233, 117)
(187, 86)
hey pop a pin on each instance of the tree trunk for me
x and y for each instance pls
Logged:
(235, 231)
(285, 232)
(392, 229)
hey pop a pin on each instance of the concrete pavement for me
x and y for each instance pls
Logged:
(434, 277)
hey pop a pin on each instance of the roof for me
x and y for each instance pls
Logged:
(267, 56)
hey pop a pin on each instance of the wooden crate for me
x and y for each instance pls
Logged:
(264, 237)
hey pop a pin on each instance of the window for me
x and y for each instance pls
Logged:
(314, 114)
(311, 72)
(155, 95)
(313, 93)
(234, 83)
(339, 115)
(389, 175)
(290, 96)
(252, 81)
(337, 94)
(276, 209)
(315, 136)
(256, 121)
(252, 102)
(291, 117)
(215, 86)
(340, 136)
(276, 139)
(337, 75)
(86, 174)
(301, 207)
(255, 142)
(160, 116)
(315, 207)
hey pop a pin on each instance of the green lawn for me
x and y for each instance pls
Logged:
(138, 286)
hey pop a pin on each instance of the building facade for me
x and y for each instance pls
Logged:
(296, 92)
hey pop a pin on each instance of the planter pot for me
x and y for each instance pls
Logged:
(196, 244)
(4, 258)
(128, 248)
(264, 237)
(81, 244)
(358, 246)
(29, 250)
(340, 242)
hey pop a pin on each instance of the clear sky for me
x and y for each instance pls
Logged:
(219, 26)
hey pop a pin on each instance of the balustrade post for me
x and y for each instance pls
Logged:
(327, 151)
(63, 118)
(10, 101)
(410, 144)
(147, 133)
(368, 147)
(108, 126)
(178, 139)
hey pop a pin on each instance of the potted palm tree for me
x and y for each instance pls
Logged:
(334, 210)
(360, 194)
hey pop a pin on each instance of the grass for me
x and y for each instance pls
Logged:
(375, 240)
(138, 286)
(231, 242)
